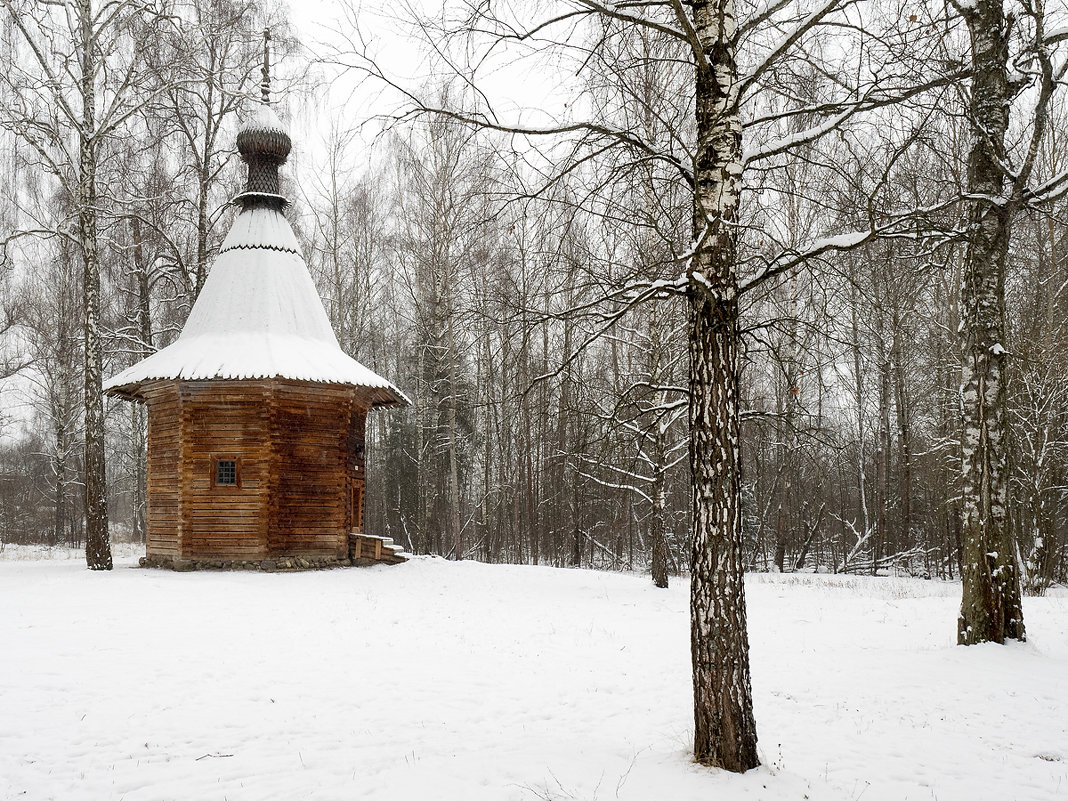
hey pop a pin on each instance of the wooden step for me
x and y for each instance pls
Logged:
(366, 549)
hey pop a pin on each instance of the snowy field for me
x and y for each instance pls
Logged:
(435, 680)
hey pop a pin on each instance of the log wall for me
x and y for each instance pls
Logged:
(311, 442)
(355, 466)
(299, 452)
(163, 518)
(225, 420)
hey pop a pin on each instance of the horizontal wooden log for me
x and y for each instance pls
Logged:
(296, 445)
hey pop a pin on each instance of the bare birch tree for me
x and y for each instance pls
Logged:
(79, 83)
(998, 186)
(735, 50)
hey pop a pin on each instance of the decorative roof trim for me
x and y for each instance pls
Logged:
(278, 248)
(266, 229)
(258, 194)
(239, 200)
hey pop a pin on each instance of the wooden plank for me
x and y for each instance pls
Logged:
(229, 497)
(300, 444)
(207, 525)
(164, 503)
(226, 545)
(236, 543)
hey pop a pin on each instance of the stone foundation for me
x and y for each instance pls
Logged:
(364, 550)
(279, 564)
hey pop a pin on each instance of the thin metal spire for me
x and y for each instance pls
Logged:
(265, 85)
(264, 146)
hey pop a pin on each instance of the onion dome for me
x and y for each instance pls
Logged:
(264, 145)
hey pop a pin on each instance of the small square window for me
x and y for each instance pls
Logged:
(226, 472)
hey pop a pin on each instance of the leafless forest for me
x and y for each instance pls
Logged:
(529, 288)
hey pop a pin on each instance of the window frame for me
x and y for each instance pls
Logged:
(215, 484)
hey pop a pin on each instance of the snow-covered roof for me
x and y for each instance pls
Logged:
(262, 118)
(258, 315)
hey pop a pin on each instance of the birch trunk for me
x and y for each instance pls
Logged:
(455, 529)
(202, 236)
(725, 730)
(138, 412)
(204, 182)
(882, 545)
(59, 521)
(904, 437)
(97, 541)
(990, 605)
(658, 523)
(858, 387)
(657, 526)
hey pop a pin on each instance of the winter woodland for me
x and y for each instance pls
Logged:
(764, 285)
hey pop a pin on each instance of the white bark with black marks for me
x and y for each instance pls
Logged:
(991, 609)
(97, 539)
(725, 729)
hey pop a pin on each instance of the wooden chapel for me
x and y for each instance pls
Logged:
(255, 415)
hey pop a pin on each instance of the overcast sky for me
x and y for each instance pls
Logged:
(523, 87)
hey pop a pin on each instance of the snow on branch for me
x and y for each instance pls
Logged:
(858, 546)
(617, 485)
(759, 18)
(874, 98)
(778, 146)
(1048, 191)
(793, 257)
(631, 296)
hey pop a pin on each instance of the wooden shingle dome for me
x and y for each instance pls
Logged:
(255, 415)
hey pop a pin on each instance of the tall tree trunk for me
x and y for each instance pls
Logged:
(725, 730)
(59, 521)
(563, 513)
(204, 177)
(202, 235)
(455, 529)
(658, 522)
(97, 541)
(904, 438)
(659, 538)
(858, 385)
(882, 544)
(138, 412)
(990, 606)
(657, 525)
(423, 458)
(787, 450)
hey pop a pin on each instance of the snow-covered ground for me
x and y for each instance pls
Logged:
(435, 680)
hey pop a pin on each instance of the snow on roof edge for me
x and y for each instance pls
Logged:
(131, 389)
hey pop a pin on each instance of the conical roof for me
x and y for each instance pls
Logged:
(258, 314)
